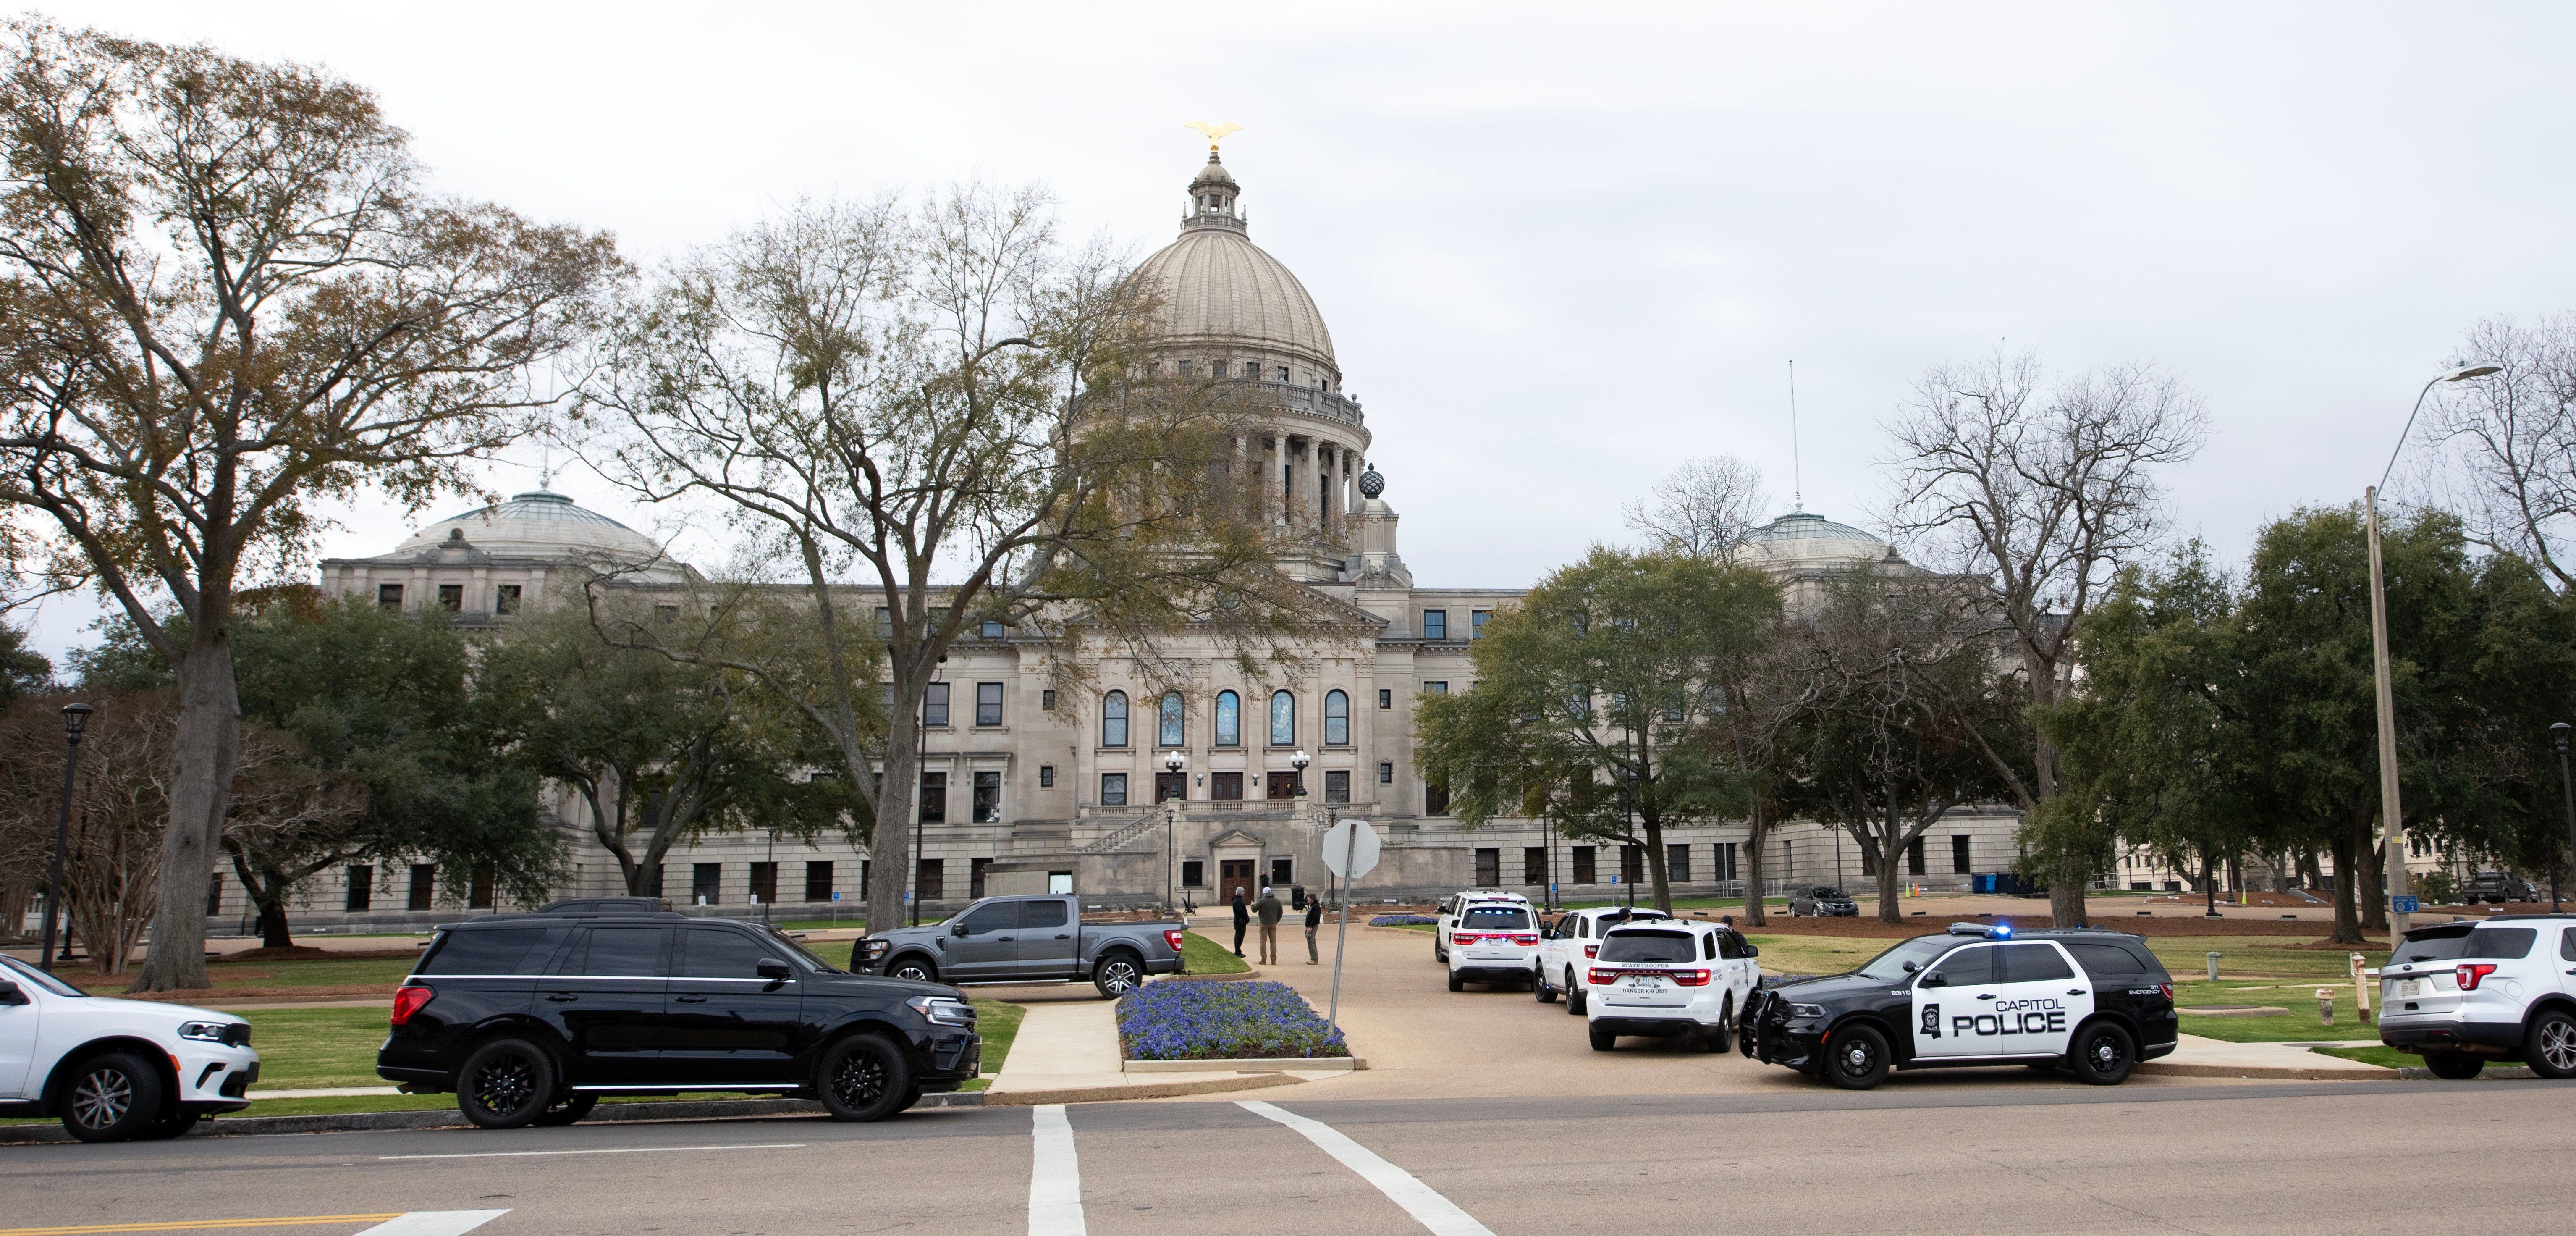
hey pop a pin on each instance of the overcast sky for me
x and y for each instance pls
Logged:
(1559, 256)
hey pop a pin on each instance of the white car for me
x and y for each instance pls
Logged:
(1455, 904)
(2503, 989)
(116, 1069)
(1565, 950)
(1673, 979)
(1492, 943)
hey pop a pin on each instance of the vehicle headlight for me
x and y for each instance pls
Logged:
(1806, 1010)
(875, 950)
(236, 1033)
(943, 1011)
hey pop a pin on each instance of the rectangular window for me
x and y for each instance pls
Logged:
(1435, 688)
(1283, 373)
(1476, 622)
(1283, 872)
(992, 630)
(885, 624)
(505, 599)
(988, 703)
(1226, 786)
(934, 703)
(975, 877)
(818, 880)
(478, 887)
(362, 889)
(1533, 864)
(706, 883)
(930, 880)
(451, 597)
(1435, 799)
(764, 883)
(1337, 786)
(1489, 867)
(389, 596)
(1046, 776)
(1725, 861)
(1171, 787)
(1113, 789)
(1914, 857)
(1958, 853)
(988, 798)
(1193, 873)
(1281, 785)
(1677, 863)
(1632, 864)
(1386, 772)
(424, 885)
(1046, 700)
(664, 614)
(1386, 697)
(934, 798)
(1583, 865)
(1435, 624)
(214, 895)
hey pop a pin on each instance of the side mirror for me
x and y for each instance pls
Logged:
(1910, 967)
(958, 929)
(774, 970)
(9, 993)
(1751, 951)
(1934, 979)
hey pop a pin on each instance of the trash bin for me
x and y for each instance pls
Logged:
(1297, 896)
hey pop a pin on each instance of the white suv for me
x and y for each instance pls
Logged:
(2504, 988)
(1673, 979)
(1455, 904)
(116, 1069)
(1492, 943)
(1564, 951)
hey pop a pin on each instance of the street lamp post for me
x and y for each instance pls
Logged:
(1299, 762)
(2567, 788)
(1173, 764)
(2392, 842)
(75, 716)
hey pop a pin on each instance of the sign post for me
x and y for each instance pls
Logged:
(1350, 851)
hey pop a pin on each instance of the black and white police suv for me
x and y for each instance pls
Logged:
(2504, 989)
(2096, 1002)
(113, 1069)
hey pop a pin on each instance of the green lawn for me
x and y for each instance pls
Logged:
(2262, 956)
(1206, 956)
(1815, 954)
(2299, 1025)
(2385, 1057)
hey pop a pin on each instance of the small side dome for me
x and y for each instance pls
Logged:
(1800, 538)
(539, 523)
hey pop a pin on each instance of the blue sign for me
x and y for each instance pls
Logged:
(1551, 890)
(1614, 879)
(2404, 905)
(836, 895)
(907, 896)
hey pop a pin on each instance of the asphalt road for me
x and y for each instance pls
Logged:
(2293, 1157)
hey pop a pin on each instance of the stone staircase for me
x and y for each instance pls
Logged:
(1124, 836)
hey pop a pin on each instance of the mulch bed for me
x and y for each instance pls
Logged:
(306, 952)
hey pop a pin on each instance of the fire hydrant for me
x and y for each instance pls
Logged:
(2325, 1005)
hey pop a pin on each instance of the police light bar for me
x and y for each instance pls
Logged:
(1990, 931)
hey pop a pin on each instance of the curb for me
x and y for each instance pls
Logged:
(1144, 1090)
(448, 1118)
(2508, 1072)
(2159, 1068)
(1245, 976)
(1256, 1064)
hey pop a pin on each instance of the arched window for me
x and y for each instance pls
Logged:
(1283, 719)
(1168, 732)
(1113, 720)
(1229, 719)
(1337, 719)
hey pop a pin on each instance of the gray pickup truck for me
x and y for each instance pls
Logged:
(1022, 940)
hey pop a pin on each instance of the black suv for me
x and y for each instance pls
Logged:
(530, 1018)
(2093, 1001)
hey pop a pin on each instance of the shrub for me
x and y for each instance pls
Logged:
(1401, 920)
(1222, 1021)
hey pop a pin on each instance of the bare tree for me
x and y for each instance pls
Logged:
(112, 866)
(2510, 441)
(1707, 508)
(2038, 490)
(954, 407)
(223, 295)
(288, 822)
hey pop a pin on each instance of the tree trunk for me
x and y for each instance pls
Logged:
(2347, 918)
(898, 801)
(207, 746)
(273, 932)
(1757, 838)
(1655, 869)
(2066, 893)
(1888, 911)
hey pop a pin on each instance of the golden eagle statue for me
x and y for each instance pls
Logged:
(1215, 132)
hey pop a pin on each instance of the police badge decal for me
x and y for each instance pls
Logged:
(1931, 1021)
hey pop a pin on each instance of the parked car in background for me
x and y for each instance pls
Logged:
(1031, 938)
(2502, 989)
(2498, 887)
(1492, 943)
(1821, 901)
(116, 1070)
(1568, 946)
(1455, 904)
(1678, 978)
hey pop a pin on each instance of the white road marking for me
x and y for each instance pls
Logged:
(434, 1223)
(1434, 1212)
(530, 1154)
(1055, 1176)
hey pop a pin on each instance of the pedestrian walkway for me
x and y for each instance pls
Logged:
(1068, 1053)
(2194, 1056)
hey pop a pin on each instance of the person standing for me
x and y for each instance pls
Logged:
(1268, 909)
(1242, 920)
(1314, 919)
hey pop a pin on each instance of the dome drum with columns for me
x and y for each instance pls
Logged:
(1026, 783)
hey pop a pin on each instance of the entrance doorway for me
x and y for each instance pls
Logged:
(1234, 875)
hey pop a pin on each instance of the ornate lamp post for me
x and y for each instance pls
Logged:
(1304, 804)
(1173, 764)
(75, 716)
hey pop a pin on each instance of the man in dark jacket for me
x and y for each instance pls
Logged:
(1314, 919)
(1242, 921)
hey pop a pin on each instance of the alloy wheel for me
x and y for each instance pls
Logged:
(860, 1080)
(1118, 977)
(505, 1083)
(2558, 1045)
(103, 1098)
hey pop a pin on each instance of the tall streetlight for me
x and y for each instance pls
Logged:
(2392, 841)
(1173, 764)
(2558, 738)
(75, 716)
(1299, 762)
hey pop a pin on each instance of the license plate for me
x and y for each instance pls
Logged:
(1641, 982)
(2410, 987)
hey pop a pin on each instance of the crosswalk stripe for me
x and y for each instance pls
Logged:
(1055, 1175)
(1434, 1212)
(434, 1223)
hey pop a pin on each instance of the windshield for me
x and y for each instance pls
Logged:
(1495, 918)
(23, 972)
(1639, 944)
(1890, 966)
(803, 953)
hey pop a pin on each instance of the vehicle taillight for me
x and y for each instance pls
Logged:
(1173, 938)
(1689, 978)
(408, 1000)
(1464, 937)
(1591, 951)
(1527, 939)
(1600, 975)
(2166, 988)
(2473, 972)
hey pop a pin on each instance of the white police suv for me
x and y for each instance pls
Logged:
(1492, 943)
(1456, 904)
(116, 1069)
(2503, 988)
(1566, 948)
(1672, 979)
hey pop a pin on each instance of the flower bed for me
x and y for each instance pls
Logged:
(1222, 1021)
(1402, 920)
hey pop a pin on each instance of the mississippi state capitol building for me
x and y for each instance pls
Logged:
(1026, 783)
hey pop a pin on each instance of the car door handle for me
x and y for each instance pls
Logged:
(1070, 937)
(561, 998)
(1985, 995)
(690, 999)
(1002, 939)
(2075, 991)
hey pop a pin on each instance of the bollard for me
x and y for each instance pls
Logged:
(2213, 967)
(2325, 1006)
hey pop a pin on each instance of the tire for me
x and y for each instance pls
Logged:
(1721, 1037)
(565, 1111)
(2549, 1047)
(112, 1097)
(914, 970)
(864, 1077)
(2103, 1054)
(1576, 999)
(1117, 974)
(1856, 1058)
(1603, 1040)
(505, 1084)
(2454, 1066)
(1456, 983)
(1539, 988)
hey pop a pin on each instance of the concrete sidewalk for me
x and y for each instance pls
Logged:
(2195, 1056)
(1068, 1053)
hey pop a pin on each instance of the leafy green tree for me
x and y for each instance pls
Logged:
(23, 670)
(1588, 696)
